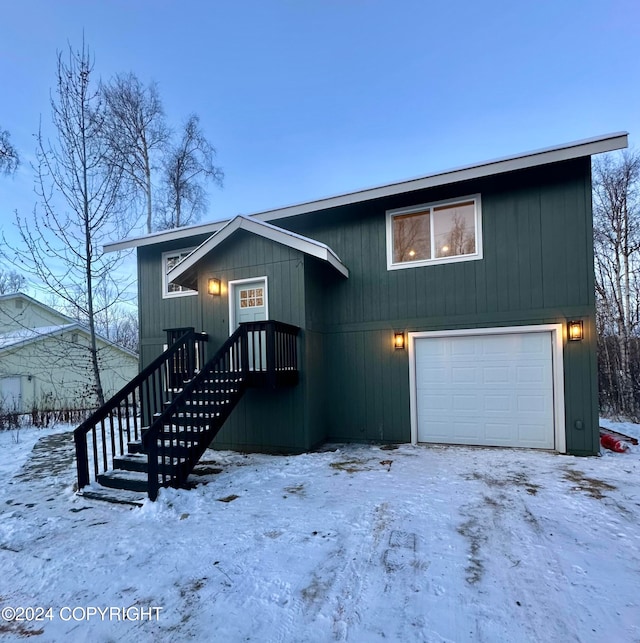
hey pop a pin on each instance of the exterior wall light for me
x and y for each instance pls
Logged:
(398, 341)
(575, 330)
(213, 287)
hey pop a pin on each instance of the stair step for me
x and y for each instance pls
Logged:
(115, 496)
(131, 462)
(135, 446)
(196, 418)
(139, 462)
(179, 450)
(118, 479)
(183, 435)
(208, 403)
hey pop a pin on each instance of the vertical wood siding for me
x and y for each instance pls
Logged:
(537, 267)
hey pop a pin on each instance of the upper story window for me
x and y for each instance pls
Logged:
(432, 233)
(169, 260)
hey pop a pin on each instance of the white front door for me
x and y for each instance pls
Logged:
(248, 303)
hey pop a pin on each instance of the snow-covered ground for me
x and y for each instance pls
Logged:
(356, 544)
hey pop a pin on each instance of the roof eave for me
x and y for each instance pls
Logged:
(564, 152)
(182, 273)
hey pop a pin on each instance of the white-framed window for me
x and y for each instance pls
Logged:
(169, 260)
(433, 233)
(251, 297)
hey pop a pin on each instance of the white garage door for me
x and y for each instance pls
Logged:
(490, 390)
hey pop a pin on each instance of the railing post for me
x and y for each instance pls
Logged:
(244, 351)
(271, 354)
(152, 469)
(191, 358)
(82, 460)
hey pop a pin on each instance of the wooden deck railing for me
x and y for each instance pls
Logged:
(177, 404)
(105, 434)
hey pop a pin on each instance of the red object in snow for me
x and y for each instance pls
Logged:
(609, 442)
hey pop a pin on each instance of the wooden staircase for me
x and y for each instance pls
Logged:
(154, 431)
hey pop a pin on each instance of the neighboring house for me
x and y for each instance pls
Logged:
(44, 359)
(476, 274)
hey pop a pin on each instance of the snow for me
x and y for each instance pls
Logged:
(26, 334)
(354, 543)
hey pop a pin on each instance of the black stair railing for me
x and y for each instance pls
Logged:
(256, 354)
(107, 431)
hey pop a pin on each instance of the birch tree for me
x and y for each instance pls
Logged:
(136, 133)
(616, 185)
(80, 190)
(9, 159)
(188, 165)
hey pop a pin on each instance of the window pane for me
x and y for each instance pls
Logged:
(411, 237)
(454, 229)
(170, 261)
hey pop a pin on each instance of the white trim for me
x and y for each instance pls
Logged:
(231, 289)
(557, 340)
(166, 281)
(390, 214)
(262, 229)
(564, 152)
(52, 331)
(164, 236)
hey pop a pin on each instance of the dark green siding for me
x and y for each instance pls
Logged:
(537, 268)
(156, 313)
(264, 420)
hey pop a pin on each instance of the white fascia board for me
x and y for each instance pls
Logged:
(39, 334)
(262, 229)
(565, 152)
(165, 235)
(587, 147)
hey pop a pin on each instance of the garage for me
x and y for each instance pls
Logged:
(490, 387)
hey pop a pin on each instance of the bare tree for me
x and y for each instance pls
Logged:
(186, 168)
(136, 133)
(124, 330)
(616, 200)
(11, 281)
(80, 192)
(9, 159)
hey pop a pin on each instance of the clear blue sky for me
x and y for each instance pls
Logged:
(305, 99)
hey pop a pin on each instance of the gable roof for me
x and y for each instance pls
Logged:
(19, 338)
(25, 335)
(55, 316)
(564, 152)
(182, 273)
